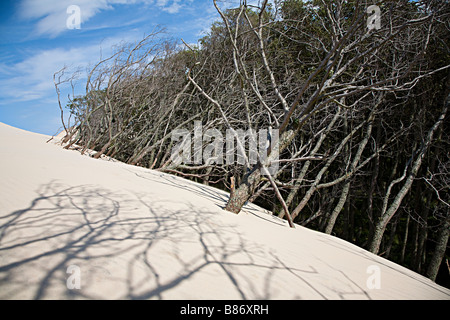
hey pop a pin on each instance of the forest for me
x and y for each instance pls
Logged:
(358, 95)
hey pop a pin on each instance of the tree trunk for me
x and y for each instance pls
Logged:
(253, 177)
(338, 208)
(387, 215)
(373, 185)
(242, 194)
(346, 188)
(423, 234)
(439, 251)
(405, 241)
(391, 237)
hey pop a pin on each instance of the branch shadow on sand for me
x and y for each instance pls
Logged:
(130, 247)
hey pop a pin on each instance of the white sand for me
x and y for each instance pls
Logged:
(140, 234)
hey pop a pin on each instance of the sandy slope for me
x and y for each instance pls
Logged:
(140, 234)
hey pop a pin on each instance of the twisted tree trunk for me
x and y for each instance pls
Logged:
(253, 177)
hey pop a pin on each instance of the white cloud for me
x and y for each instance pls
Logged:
(32, 78)
(51, 15)
(161, 3)
(173, 8)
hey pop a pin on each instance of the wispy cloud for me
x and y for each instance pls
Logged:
(51, 15)
(32, 78)
(169, 6)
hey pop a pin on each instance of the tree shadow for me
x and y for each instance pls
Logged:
(136, 245)
(130, 246)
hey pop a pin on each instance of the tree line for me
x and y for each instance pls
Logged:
(361, 112)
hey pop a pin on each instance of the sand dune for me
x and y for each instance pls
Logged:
(130, 233)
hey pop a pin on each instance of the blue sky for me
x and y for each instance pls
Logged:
(35, 42)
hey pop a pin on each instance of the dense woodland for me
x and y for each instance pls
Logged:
(361, 111)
